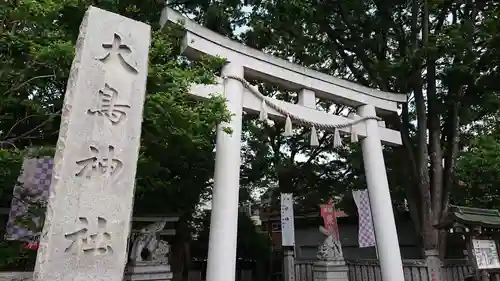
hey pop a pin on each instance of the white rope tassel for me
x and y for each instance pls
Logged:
(354, 136)
(288, 127)
(337, 140)
(263, 115)
(314, 137)
(263, 111)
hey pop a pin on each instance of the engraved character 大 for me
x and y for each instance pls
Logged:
(115, 52)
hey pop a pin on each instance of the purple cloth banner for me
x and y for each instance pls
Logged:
(366, 234)
(33, 188)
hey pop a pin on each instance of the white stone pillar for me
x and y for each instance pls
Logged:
(288, 264)
(380, 200)
(433, 265)
(224, 220)
(91, 197)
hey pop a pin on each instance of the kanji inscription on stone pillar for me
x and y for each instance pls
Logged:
(90, 202)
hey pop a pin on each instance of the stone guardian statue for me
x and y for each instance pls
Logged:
(331, 249)
(147, 247)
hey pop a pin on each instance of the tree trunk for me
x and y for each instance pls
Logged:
(180, 250)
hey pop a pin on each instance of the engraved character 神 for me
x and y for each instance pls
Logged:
(108, 106)
(103, 163)
(115, 52)
(97, 242)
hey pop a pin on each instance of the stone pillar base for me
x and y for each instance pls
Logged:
(148, 272)
(334, 270)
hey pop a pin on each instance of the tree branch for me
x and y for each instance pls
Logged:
(26, 134)
(15, 88)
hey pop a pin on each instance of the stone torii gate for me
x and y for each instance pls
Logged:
(245, 62)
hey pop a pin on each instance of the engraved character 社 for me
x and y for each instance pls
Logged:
(108, 105)
(97, 242)
(115, 52)
(99, 162)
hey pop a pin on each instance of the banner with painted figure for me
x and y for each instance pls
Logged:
(366, 233)
(330, 218)
(29, 198)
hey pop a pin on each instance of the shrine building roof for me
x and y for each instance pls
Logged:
(470, 217)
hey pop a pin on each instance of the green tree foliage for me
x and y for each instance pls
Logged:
(478, 168)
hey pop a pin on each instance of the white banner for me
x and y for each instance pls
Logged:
(287, 225)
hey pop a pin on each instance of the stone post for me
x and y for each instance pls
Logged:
(391, 264)
(289, 264)
(433, 265)
(90, 202)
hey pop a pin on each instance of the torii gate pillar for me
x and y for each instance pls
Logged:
(224, 217)
(380, 200)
